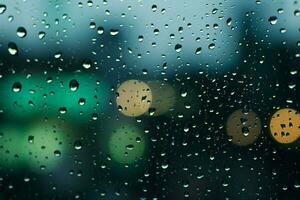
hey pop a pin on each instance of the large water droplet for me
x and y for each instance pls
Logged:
(178, 48)
(21, 32)
(114, 32)
(2, 8)
(273, 20)
(12, 48)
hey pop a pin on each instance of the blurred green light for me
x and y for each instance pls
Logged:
(54, 95)
(46, 145)
(127, 144)
(11, 155)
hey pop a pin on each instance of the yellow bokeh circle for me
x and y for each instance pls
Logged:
(285, 125)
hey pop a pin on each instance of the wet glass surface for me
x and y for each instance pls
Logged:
(149, 99)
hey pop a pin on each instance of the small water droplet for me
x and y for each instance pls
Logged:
(57, 153)
(63, 110)
(81, 101)
(77, 145)
(30, 139)
(74, 85)
(87, 63)
(42, 35)
(17, 87)
(130, 147)
(198, 50)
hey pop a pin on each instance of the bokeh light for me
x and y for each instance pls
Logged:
(285, 125)
(46, 144)
(71, 96)
(134, 98)
(127, 144)
(11, 152)
(163, 98)
(243, 127)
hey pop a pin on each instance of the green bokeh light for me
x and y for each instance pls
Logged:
(48, 95)
(11, 152)
(46, 145)
(127, 144)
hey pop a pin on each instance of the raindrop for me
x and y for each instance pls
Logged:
(12, 48)
(154, 8)
(198, 50)
(229, 21)
(273, 20)
(57, 153)
(2, 8)
(87, 63)
(130, 147)
(81, 101)
(63, 110)
(42, 35)
(74, 85)
(211, 46)
(17, 87)
(21, 32)
(114, 32)
(30, 139)
(100, 30)
(77, 145)
(178, 48)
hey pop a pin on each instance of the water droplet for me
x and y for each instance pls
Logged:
(81, 101)
(100, 30)
(42, 35)
(12, 48)
(21, 32)
(183, 92)
(130, 147)
(74, 85)
(57, 153)
(198, 50)
(17, 87)
(164, 166)
(154, 8)
(114, 32)
(2, 8)
(77, 145)
(245, 131)
(211, 46)
(87, 63)
(63, 110)
(273, 20)
(58, 55)
(297, 13)
(229, 21)
(30, 139)
(92, 25)
(178, 48)
(95, 116)
(26, 179)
